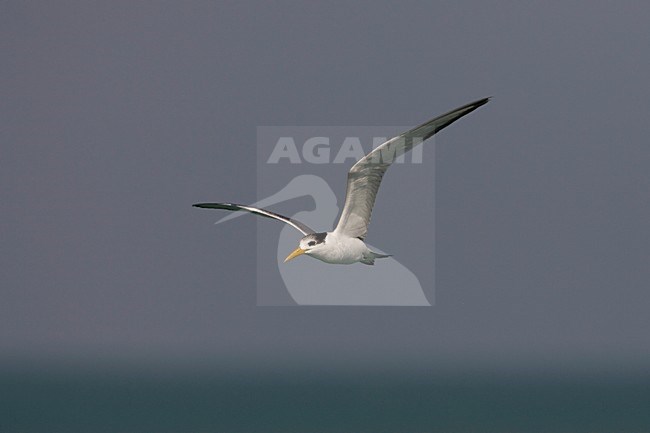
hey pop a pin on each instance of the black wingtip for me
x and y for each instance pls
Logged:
(476, 104)
(222, 206)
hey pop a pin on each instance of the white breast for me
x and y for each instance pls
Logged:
(340, 249)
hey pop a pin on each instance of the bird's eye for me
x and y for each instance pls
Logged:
(311, 243)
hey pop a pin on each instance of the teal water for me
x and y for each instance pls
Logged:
(184, 403)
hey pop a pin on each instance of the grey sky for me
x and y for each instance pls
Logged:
(117, 116)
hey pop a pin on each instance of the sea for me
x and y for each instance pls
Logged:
(54, 400)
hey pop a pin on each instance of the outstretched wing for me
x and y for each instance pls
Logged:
(365, 176)
(302, 228)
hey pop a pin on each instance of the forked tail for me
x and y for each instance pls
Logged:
(369, 259)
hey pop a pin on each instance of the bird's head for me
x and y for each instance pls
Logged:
(307, 245)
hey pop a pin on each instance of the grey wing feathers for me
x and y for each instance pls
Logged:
(302, 228)
(365, 176)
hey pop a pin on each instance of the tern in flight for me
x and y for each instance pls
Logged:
(345, 245)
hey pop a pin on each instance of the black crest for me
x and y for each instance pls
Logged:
(315, 239)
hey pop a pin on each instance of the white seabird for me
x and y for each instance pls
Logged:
(345, 245)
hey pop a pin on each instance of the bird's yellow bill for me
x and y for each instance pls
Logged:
(297, 252)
